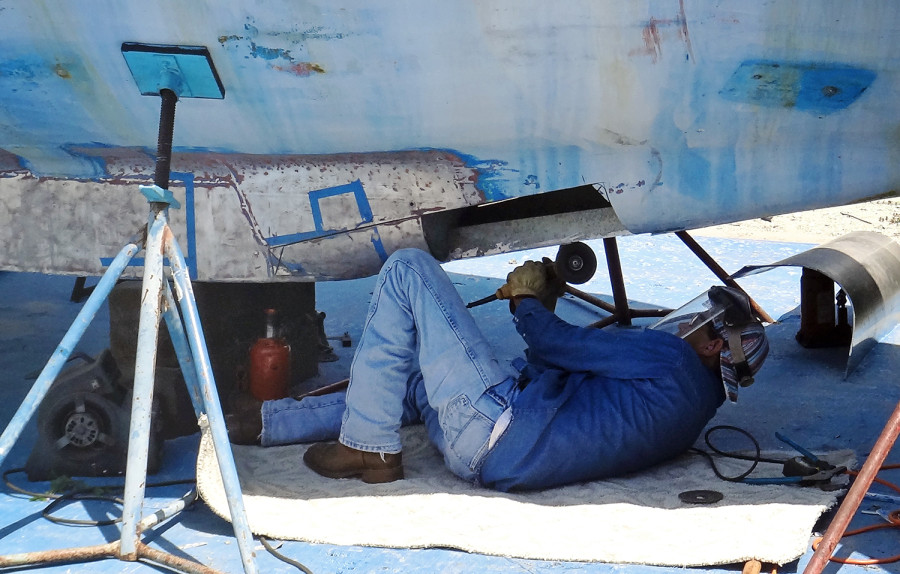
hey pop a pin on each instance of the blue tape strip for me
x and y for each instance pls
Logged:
(190, 220)
(362, 204)
(378, 245)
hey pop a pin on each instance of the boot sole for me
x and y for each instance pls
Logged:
(381, 475)
(367, 475)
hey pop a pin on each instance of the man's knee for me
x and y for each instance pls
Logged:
(411, 256)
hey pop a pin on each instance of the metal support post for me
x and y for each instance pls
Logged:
(723, 275)
(212, 406)
(194, 359)
(144, 376)
(182, 350)
(617, 281)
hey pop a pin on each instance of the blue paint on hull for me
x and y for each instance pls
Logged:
(816, 87)
(658, 101)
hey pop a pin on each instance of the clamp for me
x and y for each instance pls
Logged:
(156, 194)
(805, 470)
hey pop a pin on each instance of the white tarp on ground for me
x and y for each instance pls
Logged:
(634, 519)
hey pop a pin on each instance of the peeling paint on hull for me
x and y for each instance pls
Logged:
(235, 208)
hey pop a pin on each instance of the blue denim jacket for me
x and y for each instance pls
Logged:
(598, 404)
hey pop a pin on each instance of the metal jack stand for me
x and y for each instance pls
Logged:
(158, 70)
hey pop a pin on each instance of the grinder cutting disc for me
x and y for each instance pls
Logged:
(700, 496)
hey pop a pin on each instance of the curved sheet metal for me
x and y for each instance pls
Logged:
(867, 267)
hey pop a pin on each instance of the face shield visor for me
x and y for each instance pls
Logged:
(690, 317)
(728, 312)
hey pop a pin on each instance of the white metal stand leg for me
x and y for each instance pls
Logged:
(158, 70)
(187, 336)
(159, 241)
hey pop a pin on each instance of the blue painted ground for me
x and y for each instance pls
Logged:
(800, 393)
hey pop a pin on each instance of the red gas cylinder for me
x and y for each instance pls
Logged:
(270, 364)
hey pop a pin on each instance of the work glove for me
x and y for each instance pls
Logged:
(538, 280)
(555, 286)
(529, 279)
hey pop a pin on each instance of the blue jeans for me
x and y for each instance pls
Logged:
(421, 357)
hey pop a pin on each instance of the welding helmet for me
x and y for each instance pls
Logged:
(727, 310)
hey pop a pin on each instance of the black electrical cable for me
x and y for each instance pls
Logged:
(15, 488)
(83, 494)
(282, 557)
(75, 355)
(89, 493)
(756, 459)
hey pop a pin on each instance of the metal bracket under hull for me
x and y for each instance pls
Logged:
(866, 265)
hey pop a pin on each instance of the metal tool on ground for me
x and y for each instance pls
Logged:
(805, 470)
(700, 496)
(880, 513)
(345, 339)
(169, 72)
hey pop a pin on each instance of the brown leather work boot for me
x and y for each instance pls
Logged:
(245, 423)
(335, 460)
(243, 430)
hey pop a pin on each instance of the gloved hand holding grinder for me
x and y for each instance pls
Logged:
(533, 279)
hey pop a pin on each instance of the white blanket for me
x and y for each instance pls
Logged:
(634, 519)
